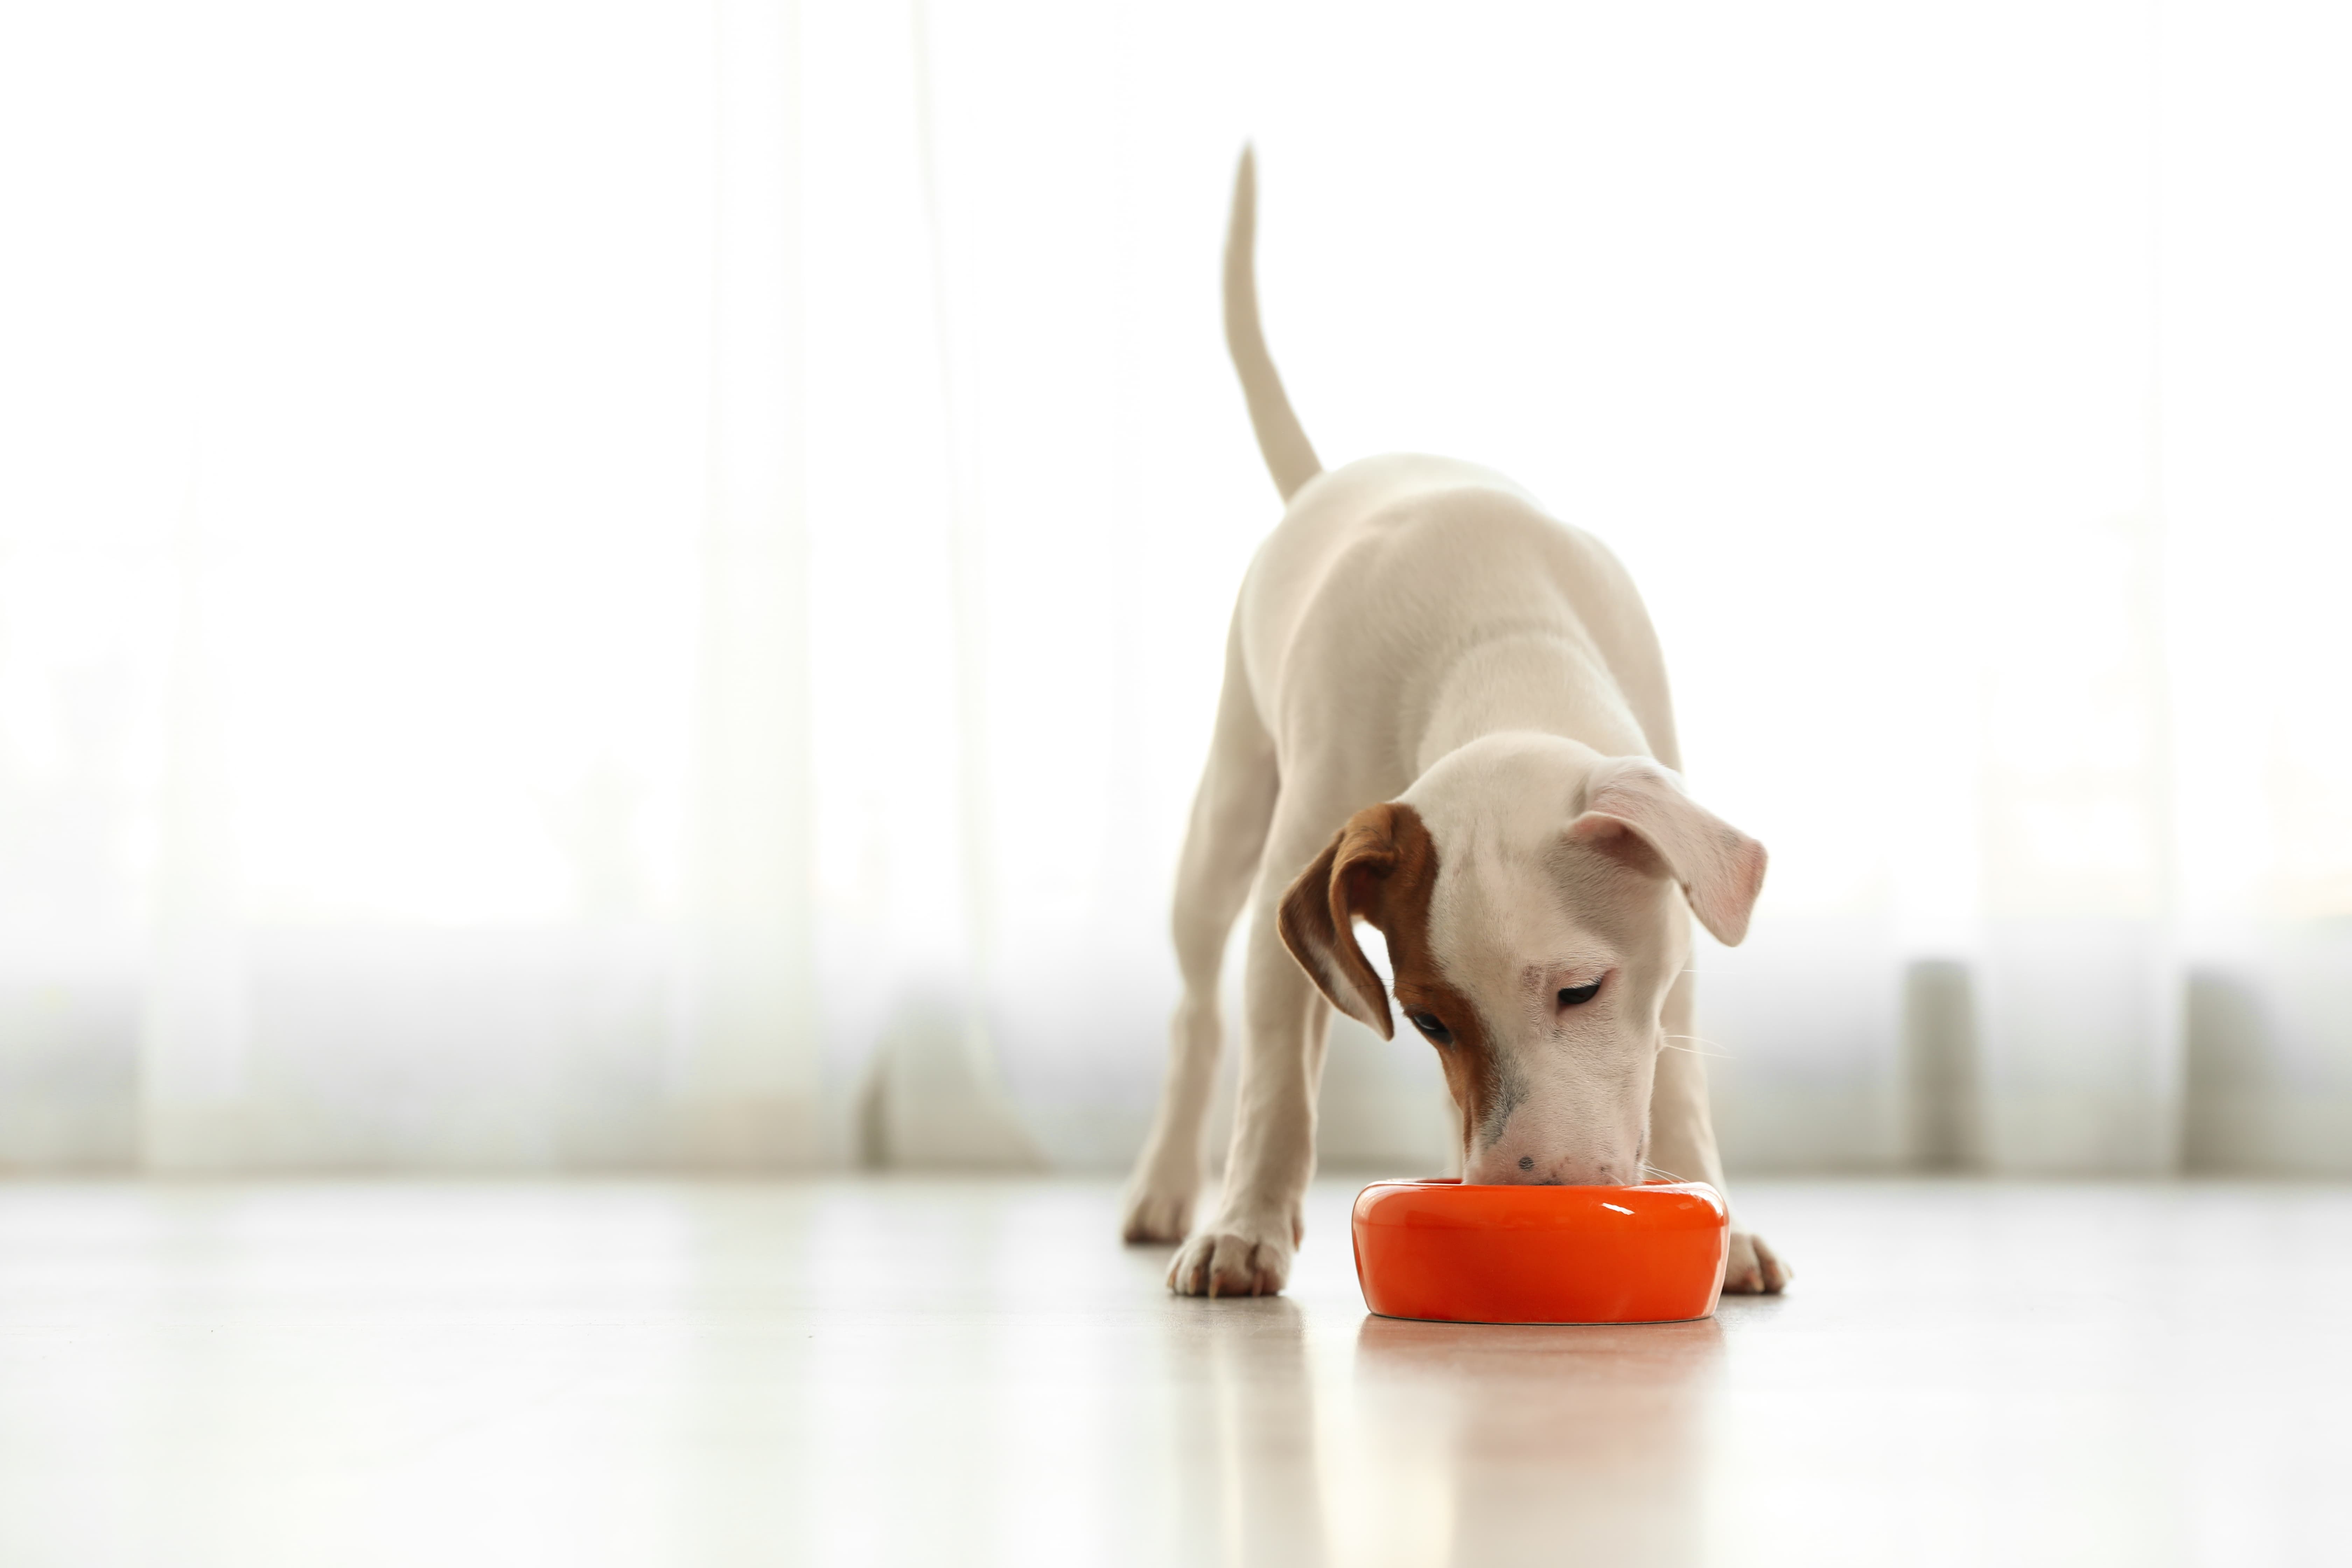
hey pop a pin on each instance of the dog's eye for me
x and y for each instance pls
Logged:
(1428, 1025)
(1577, 996)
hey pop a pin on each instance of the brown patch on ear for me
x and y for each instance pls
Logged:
(1382, 869)
(1635, 811)
(1317, 915)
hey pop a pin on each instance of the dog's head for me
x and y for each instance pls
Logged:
(1532, 893)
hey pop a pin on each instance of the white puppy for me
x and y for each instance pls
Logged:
(1444, 714)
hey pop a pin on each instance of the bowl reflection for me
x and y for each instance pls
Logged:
(1560, 1443)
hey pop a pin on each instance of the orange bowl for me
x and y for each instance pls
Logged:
(1456, 1254)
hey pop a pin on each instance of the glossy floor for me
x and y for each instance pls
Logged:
(966, 1373)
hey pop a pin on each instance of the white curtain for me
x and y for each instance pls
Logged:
(642, 585)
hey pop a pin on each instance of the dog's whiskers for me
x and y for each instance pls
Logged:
(1718, 1055)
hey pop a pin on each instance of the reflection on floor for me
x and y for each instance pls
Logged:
(966, 1373)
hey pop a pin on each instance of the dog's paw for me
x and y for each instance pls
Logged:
(1754, 1270)
(1156, 1208)
(1234, 1258)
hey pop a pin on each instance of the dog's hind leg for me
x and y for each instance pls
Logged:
(1222, 845)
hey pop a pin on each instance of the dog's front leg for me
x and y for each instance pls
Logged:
(1246, 1249)
(1681, 1141)
(1223, 848)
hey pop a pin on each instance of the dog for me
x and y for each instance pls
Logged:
(1444, 714)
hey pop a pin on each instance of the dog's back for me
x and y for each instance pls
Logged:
(1384, 572)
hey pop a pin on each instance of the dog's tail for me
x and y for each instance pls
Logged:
(1280, 438)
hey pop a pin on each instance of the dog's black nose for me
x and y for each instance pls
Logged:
(1527, 1162)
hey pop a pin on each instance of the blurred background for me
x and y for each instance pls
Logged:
(641, 586)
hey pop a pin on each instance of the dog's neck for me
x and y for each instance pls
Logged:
(1543, 681)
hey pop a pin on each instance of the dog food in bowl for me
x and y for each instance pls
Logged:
(1441, 1250)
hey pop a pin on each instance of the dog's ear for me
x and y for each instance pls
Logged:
(1318, 915)
(1721, 870)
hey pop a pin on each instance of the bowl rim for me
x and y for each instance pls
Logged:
(1451, 1205)
(1430, 1184)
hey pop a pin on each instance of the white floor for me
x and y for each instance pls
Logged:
(968, 1372)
